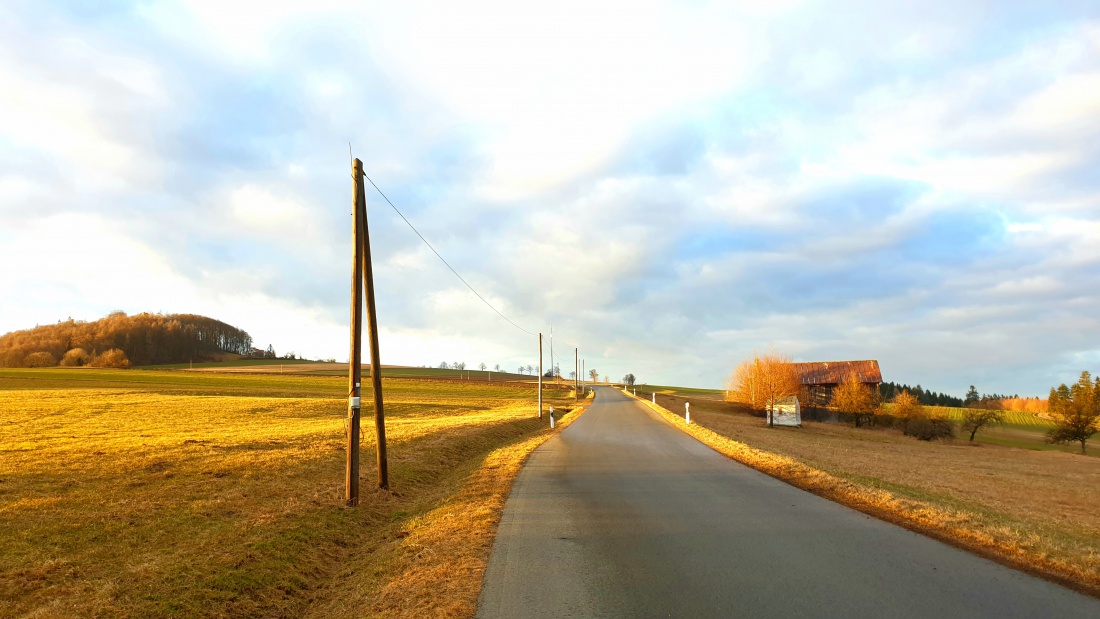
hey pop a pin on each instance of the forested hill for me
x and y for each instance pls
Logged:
(119, 340)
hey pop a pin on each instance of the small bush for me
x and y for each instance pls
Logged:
(76, 357)
(113, 358)
(39, 360)
(928, 428)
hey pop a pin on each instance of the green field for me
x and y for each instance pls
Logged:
(1012, 418)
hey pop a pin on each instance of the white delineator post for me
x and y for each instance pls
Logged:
(654, 398)
(687, 412)
(551, 416)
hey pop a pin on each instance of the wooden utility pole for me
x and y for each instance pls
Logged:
(576, 374)
(372, 332)
(540, 375)
(351, 479)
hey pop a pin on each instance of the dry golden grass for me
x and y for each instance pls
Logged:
(138, 494)
(1034, 510)
(441, 557)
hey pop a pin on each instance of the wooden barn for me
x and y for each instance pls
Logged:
(819, 378)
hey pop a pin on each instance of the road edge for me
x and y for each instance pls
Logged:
(917, 516)
(454, 589)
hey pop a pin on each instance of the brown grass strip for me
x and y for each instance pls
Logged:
(963, 529)
(436, 566)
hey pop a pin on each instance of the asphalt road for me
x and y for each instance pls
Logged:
(623, 515)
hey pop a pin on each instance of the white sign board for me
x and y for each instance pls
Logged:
(787, 413)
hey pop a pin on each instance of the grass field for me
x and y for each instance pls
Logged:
(1033, 509)
(321, 368)
(155, 493)
(1018, 419)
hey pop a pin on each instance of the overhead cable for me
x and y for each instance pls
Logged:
(460, 278)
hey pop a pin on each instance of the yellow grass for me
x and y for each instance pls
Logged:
(154, 494)
(1036, 511)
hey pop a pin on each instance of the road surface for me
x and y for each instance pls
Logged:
(623, 515)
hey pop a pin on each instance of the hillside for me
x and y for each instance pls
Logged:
(118, 340)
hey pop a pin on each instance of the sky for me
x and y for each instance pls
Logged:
(670, 186)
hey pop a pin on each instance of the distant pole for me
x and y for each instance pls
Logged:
(351, 478)
(576, 374)
(687, 412)
(540, 375)
(372, 331)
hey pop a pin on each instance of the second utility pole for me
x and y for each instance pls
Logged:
(540, 376)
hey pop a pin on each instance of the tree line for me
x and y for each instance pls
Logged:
(890, 390)
(141, 339)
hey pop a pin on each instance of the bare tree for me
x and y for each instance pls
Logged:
(980, 414)
(113, 358)
(496, 368)
(763, 382)
(482, 366)
(852, 396)
(594, 375)
(40, 359)
(629, 379)
(1076, 411)
(907, 408)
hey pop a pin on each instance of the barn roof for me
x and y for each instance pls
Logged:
(833, 372)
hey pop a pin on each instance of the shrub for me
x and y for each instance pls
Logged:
(927, 428)
(39, 360)
(906, 409)
(76, 357)
(113, 358)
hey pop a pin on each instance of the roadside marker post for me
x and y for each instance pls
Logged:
(654, 397)
(687, 412)
(551, 417)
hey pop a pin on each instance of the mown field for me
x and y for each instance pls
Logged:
(1035, 509)
(322, 368)
(129, 493)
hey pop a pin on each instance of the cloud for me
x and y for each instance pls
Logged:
(670, 186)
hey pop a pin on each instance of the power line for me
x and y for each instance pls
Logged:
(413, 228)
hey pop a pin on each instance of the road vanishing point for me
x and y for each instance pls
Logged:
(623, 515)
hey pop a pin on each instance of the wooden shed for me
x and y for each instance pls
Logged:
(819, 378)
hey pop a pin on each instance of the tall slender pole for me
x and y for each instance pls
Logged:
(576, 374)
(351, 478)
(372, 332)
(540, 375)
